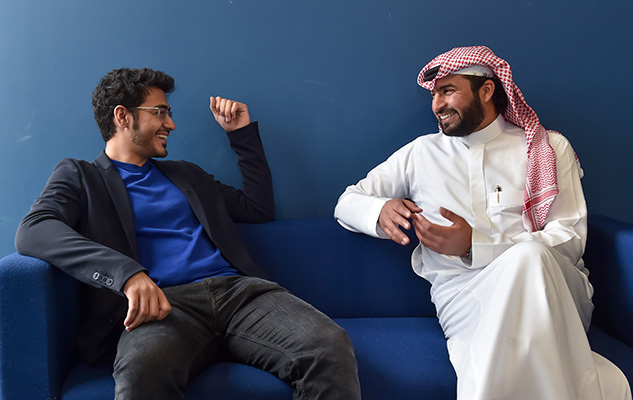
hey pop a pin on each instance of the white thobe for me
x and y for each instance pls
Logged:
(481, 177)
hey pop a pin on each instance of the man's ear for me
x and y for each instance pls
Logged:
(487, 90)
(121, 117)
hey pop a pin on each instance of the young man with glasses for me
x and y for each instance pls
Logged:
(169, 280)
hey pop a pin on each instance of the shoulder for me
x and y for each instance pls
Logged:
(414, 149)
(561, 145)
(68, 166)
(557, 140)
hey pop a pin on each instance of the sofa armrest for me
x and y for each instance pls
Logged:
(38, 324)
(609, 258)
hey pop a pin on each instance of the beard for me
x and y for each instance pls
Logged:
(469, 119)
(145, 142)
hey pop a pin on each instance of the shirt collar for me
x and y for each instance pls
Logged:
(485, 135)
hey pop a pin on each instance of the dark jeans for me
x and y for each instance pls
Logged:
(256, 322)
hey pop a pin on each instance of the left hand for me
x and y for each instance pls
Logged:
(453, 240)
(231, 115)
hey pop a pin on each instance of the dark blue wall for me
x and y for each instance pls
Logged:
(333, 83)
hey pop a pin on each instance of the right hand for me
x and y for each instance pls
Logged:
(395, 214)
(231, 115)
(146, 301)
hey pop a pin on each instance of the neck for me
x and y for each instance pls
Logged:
(116, 151)
(489, 118)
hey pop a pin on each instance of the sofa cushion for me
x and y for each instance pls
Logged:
(226, 381)
(395, 355)
(407, 356)
(615, 351)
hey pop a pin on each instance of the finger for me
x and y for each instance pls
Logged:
(132, 310)
(153, 309)
(394, 233)
(217, 107)
(402, 219)
(139, 316)
(449, 215)
(411, 206)
(165, 306)
(397, 236)
(402, 211)
(226, 110)
(426, 225)
(398, 214)
(234, 108)
(424, 231)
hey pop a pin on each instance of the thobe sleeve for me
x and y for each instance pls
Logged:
(566, 225)
(358, 208)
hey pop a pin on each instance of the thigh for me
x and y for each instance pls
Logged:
(179, 337)
(172, 345)
(524, 268)
(277, 331)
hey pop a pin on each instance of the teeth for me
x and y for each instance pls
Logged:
(444, 116)
(163, 136)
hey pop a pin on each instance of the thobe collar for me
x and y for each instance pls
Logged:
(485, 135)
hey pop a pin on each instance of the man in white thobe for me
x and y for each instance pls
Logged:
(498, 207)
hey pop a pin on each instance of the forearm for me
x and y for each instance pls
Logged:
(359, 212)
(55, 242)
(255, 202)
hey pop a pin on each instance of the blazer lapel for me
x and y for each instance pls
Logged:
(120, 198)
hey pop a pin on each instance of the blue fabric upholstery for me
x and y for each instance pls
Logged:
(365, 284)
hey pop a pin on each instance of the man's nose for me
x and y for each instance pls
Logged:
(169, 123)
(438, 103)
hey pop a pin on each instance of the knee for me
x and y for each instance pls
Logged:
(531, 249)
(529, 262)
(533, 254)
(336, 340)
(333, 347)
(330, 369)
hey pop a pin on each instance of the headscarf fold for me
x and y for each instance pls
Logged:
(541, 186)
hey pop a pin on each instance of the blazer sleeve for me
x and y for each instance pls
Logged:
(63, 228)
(255, 202)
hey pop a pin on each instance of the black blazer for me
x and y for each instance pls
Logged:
(83, 224)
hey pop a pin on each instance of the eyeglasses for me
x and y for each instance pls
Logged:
(161, 112)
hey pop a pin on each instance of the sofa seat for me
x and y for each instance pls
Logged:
(395, 353)
(366, 285)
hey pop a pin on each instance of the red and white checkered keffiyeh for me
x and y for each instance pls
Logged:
(541, 186)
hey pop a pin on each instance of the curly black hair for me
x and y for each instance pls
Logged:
(126, 87)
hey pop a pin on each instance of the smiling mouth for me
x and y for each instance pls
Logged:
(162, 136)
(446, 115)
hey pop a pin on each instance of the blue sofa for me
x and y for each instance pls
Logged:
(365, 284)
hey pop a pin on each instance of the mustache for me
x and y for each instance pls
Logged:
(446, 110)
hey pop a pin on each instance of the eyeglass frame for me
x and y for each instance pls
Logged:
(160, 111)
